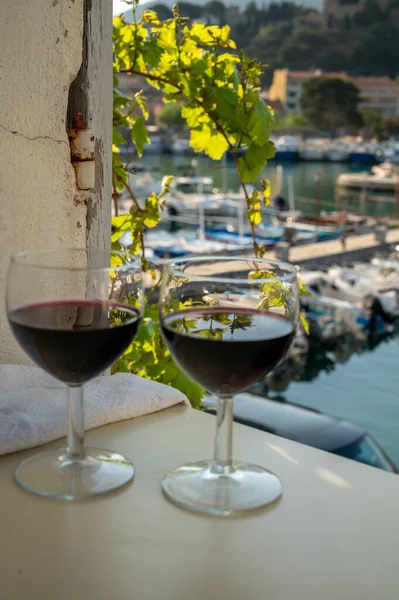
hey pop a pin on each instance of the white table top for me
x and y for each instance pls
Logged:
(333, 535)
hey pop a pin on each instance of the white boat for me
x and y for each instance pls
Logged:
(390, 152)
(312, 150)
(155, 146)
(382, 181)
(181, 146)
(193, 193)
(286, 149)
(199, 245)
(143, 184)
(337, 152)
(358, 286)
(192, 184)
(363, 153)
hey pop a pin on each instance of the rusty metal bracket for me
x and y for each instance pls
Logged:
(81, 142)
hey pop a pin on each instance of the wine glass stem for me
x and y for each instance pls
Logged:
(223, 461)
(76, 427)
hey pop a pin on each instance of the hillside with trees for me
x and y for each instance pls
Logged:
(288, 35)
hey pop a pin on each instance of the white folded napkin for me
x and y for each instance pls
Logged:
(33, 405)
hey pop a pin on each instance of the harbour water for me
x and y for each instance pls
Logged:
(309, 179)
(362, 390)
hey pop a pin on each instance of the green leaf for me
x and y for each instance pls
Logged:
(304, 322)
(251, 164)
(122, 223)
(226, 101)
(150, 16)
(189, 388)
(151, 211)
(259, 122)
(303, 291)
(139, 134)
(265, 185)
(261, 274)
(199, 139)
(193, 115)
(216, 146)
(140, 101)
(117, 138)
(152, 52)
(212, 142)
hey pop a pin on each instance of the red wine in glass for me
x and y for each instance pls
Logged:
(226, 350)
(74, 312)
(74, 341)
(227, 321)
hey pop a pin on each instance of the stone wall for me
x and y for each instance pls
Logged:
(41, 51)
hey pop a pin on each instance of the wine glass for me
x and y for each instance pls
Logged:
(74, 312)
(227, 321)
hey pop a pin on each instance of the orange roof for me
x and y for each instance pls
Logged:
(300, 74)
(375, 81)
(309, 74)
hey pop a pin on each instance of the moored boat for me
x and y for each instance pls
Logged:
(382, 181)
(286, 149)
(313, 150)
(337, 152)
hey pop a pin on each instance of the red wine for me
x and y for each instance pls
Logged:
(74, 341)
(227, 350)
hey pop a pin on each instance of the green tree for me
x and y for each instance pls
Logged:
(377, 51)
(192, 11)
(266, 47)
(330, 103)
(302, 46)
(373, 122)
(370, 14)
(216, 9)
(292, 121)
(171, 116)
(163, 12)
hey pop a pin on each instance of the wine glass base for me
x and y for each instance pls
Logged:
(200, 488)
(55, 475)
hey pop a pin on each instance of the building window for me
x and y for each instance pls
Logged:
(291, 105)
(292, 94)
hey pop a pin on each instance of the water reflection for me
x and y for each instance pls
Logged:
(307, 366)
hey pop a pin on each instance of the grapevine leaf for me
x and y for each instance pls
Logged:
(139, 134)
(251, 164)
(117, 138)
(259, 122)
(304, 322)
(216, 146)
(199, 139)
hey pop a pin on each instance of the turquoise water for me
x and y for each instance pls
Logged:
(303, 174)
(364, 391)
(309, 180)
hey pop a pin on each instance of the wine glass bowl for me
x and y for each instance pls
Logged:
(227, 322)
(74, 312)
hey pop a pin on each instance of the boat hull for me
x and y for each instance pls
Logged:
(286, 155)
(362, 158)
